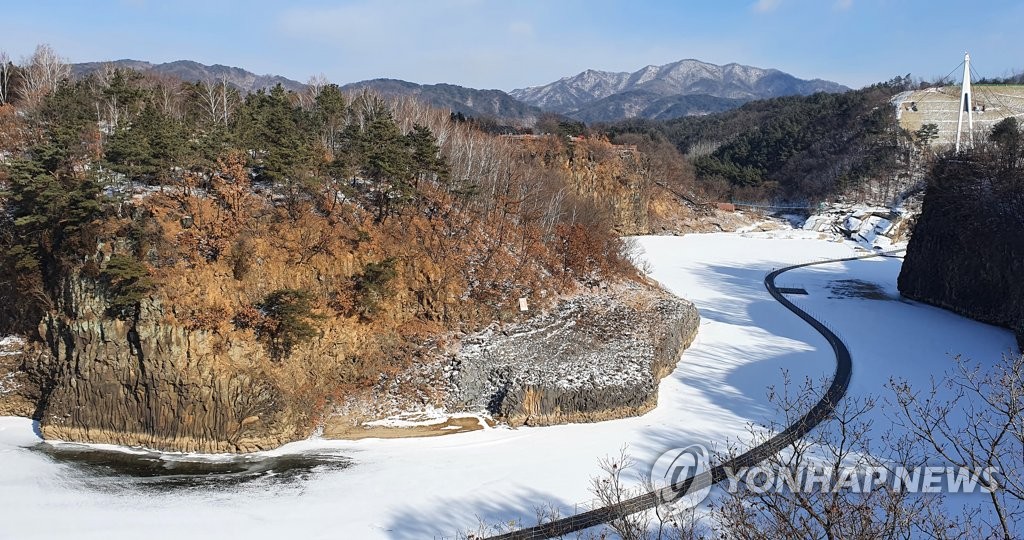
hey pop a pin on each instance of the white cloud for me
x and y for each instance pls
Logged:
(843, 5)
(765, 6)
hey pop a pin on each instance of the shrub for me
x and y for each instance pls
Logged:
(371, 286)
(289, 320)
(240, 258)
(128, 282)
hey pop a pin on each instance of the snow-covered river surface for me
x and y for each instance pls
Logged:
(436, 487)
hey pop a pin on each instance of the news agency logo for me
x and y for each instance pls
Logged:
(683, 476)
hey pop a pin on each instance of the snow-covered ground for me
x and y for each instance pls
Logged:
(433, 487)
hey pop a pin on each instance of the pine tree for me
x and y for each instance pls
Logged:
(123, 97)
(290, 320)
(427, 161)
(69, 121)
(279, 135)
(49, 209)
(128, 152)
(166, 140)
(128, 282)
(1008, 138)
(386, 162)
(329, 113)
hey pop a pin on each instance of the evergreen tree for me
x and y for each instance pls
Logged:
(427, 161)
(387, 163)
(50, 211)
(329, 113)
(123, 97)
(70, 135)
(147, 149)
(1008, 139)
(127, 281)
(165, 138)
(279, 135)
(290, 320)
(52, 203)
(128, 152)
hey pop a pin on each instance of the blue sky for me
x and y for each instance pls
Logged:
(515, 43)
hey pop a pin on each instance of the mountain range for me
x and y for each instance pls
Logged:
(188, 70)
(684, 88)
(576, 96)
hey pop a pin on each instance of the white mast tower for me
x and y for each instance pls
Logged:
(966, 105)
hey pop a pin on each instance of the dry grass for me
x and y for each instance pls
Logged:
(338, 428)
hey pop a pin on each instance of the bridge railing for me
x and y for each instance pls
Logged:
(779, 205)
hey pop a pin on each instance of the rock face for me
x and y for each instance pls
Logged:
(154, 384)
(966, 253)
(594, 358)
(19, 392)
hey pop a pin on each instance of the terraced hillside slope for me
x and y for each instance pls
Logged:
(939, 106)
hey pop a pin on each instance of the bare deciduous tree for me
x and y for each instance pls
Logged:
(41, 74)
(837, 506)
(609, 488)
(974, 418)
(217, 100)
(5, 77)
(314, 86)
(167, 92)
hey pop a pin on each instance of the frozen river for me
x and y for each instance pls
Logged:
(433, 487)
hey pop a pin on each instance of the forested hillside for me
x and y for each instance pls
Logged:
(238, 262)
(189, 71)
(491, 104)
(801, 147)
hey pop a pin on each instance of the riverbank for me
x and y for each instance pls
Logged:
(441, 486)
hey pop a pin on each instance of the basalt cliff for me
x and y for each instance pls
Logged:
(966, 253)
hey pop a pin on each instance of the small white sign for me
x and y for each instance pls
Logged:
(522, 304)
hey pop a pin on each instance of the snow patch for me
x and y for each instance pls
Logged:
(429, 416)
(11, 345)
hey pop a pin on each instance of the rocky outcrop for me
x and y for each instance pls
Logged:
(871, 226)
(966, 253)
(155, 384)
(595, 357)
(19, 391)
(614, 177)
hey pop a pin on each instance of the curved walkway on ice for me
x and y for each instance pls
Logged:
(821, 411)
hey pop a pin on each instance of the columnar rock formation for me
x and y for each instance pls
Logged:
(156, 384)
(967, 249)
(594, 358)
